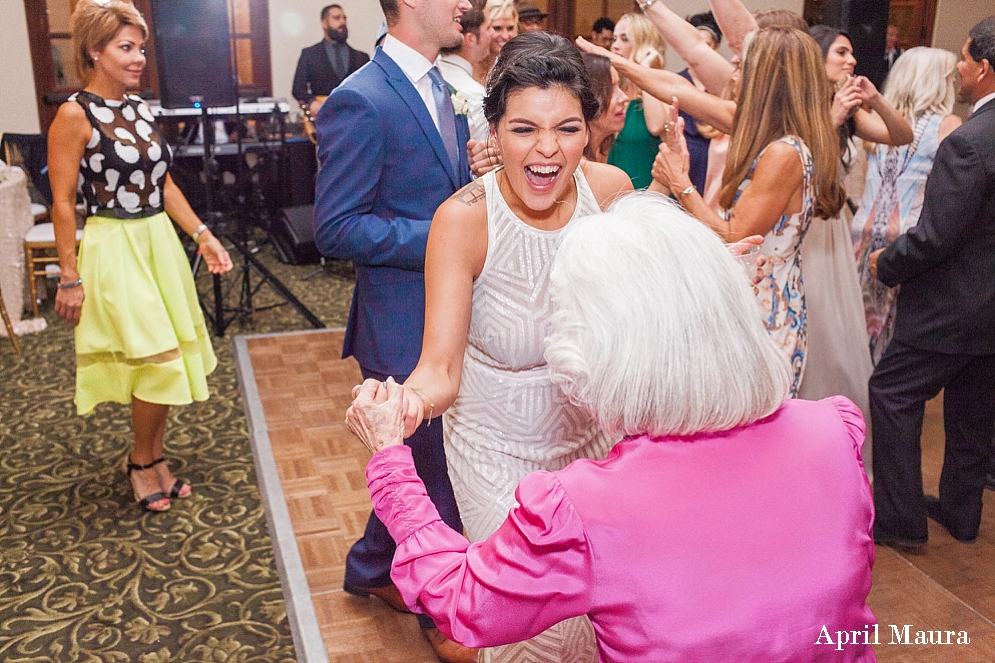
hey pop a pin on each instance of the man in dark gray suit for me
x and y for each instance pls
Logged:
(944, 327)
(323, 66)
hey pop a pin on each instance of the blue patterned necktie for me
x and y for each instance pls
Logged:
(446, 114)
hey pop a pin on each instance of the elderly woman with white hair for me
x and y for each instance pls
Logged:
(730, 523)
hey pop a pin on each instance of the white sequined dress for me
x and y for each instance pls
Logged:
(509, 419)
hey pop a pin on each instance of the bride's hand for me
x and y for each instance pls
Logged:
(414, 410)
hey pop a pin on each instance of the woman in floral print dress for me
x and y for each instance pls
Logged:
(782, 170)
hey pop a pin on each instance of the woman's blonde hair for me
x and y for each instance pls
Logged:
(922, 81)
(498, 9)
(655, 328)
(94, 24)
(783, 93)
(643, 36)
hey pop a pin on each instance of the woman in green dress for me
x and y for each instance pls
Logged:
(636, 145)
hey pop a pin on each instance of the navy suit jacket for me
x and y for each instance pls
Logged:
(384, 171)
(946, 263)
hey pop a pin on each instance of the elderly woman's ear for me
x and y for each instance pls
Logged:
(376, 415)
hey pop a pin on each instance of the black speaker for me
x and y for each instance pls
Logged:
(293, 236)
(193, 53)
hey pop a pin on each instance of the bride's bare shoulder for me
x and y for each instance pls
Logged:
(607, 182)
(469, 204)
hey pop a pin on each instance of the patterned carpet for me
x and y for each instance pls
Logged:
(85, 575)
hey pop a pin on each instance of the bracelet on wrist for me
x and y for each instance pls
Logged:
(643, 6)
(680, 196)
(71, 284)
(431, 405)
(200, 230)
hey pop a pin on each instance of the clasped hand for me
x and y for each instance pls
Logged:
(376, 415)
(857, 91)
(483, 157)
(673, 163)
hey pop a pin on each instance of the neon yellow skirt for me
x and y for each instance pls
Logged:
(141, 332)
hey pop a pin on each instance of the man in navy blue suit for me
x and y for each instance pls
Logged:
(392, 149)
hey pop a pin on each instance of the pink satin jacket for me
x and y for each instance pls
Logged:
(738, 546)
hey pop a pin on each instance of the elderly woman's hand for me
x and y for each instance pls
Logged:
(673, 163)
(376, 416)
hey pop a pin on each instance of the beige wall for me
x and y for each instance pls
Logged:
(18, 108)
(294, 24)
(954, 19)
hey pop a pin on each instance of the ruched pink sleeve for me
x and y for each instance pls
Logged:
(535, 571)
(853, 420)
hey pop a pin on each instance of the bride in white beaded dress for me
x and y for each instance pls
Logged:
(487, 304)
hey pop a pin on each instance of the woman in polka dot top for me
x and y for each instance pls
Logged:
(140, 334)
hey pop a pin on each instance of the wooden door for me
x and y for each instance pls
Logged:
(915, 19)
(56, 77)
(52, 60)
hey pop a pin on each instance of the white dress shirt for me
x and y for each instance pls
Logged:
(459, 73)
(416, 67)
(981, 102)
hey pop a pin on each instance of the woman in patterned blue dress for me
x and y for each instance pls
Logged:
(782, 170)
(921, 87)
(140, 333)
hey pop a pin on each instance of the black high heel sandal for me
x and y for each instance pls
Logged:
(147, 501)
(178, 485)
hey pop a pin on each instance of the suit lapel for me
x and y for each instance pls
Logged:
(328, 72)
(463, 137)
(410, 96)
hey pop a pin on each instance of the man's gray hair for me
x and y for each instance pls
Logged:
(656, 328)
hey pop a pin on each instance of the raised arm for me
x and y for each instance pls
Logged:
(735, 21)
(712, 69)
(457, 246)
(351, 146)
(881, 123)
(665, 85)
(774, 190)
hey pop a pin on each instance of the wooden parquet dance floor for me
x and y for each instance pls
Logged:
(304, 389)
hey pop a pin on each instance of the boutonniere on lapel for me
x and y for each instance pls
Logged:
(460, 104)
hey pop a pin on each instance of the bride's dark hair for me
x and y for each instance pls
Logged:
(538, 59)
